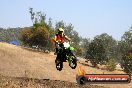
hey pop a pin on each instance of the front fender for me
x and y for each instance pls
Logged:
(72, 48)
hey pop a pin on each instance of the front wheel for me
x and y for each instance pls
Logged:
(73, 63)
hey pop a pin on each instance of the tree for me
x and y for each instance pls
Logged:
(110, 45)
(126, 42)
(50, 23)
(9, 34)
(96, 52)
(60, 24)
(41, 32)
(84, 43)
(26, 36)
(127, 62)
(125, 47)
(101, 49)
(38, 37)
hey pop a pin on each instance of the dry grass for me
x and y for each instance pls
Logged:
(20, 62)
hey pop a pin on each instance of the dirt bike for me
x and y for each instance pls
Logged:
(64, 54)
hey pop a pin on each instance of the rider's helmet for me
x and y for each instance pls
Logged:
(60, 30)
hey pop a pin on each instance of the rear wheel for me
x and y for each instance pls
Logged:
(59, 64)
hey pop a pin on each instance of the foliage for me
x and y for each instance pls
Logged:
(96, 52)
(109, 44)
(100, 49)
(9, 34)
(125, 47)
(127, 62)
(38, 37)
(41, 32)
(26, 35)
(126, 42)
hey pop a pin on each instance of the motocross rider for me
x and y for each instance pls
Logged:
(60, 37)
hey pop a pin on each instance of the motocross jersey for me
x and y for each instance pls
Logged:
(60, 38)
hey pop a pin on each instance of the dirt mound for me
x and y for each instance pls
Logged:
(21, 82)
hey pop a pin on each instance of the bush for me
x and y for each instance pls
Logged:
(38, 37)
(111, 65)
(26, 35)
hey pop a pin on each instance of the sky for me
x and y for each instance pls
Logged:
(89, 17)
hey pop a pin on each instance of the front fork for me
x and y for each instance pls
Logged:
(70, 58)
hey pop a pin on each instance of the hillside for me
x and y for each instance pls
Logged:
(16, 61)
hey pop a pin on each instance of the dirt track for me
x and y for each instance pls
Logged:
(21, 82)
(19, 62)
